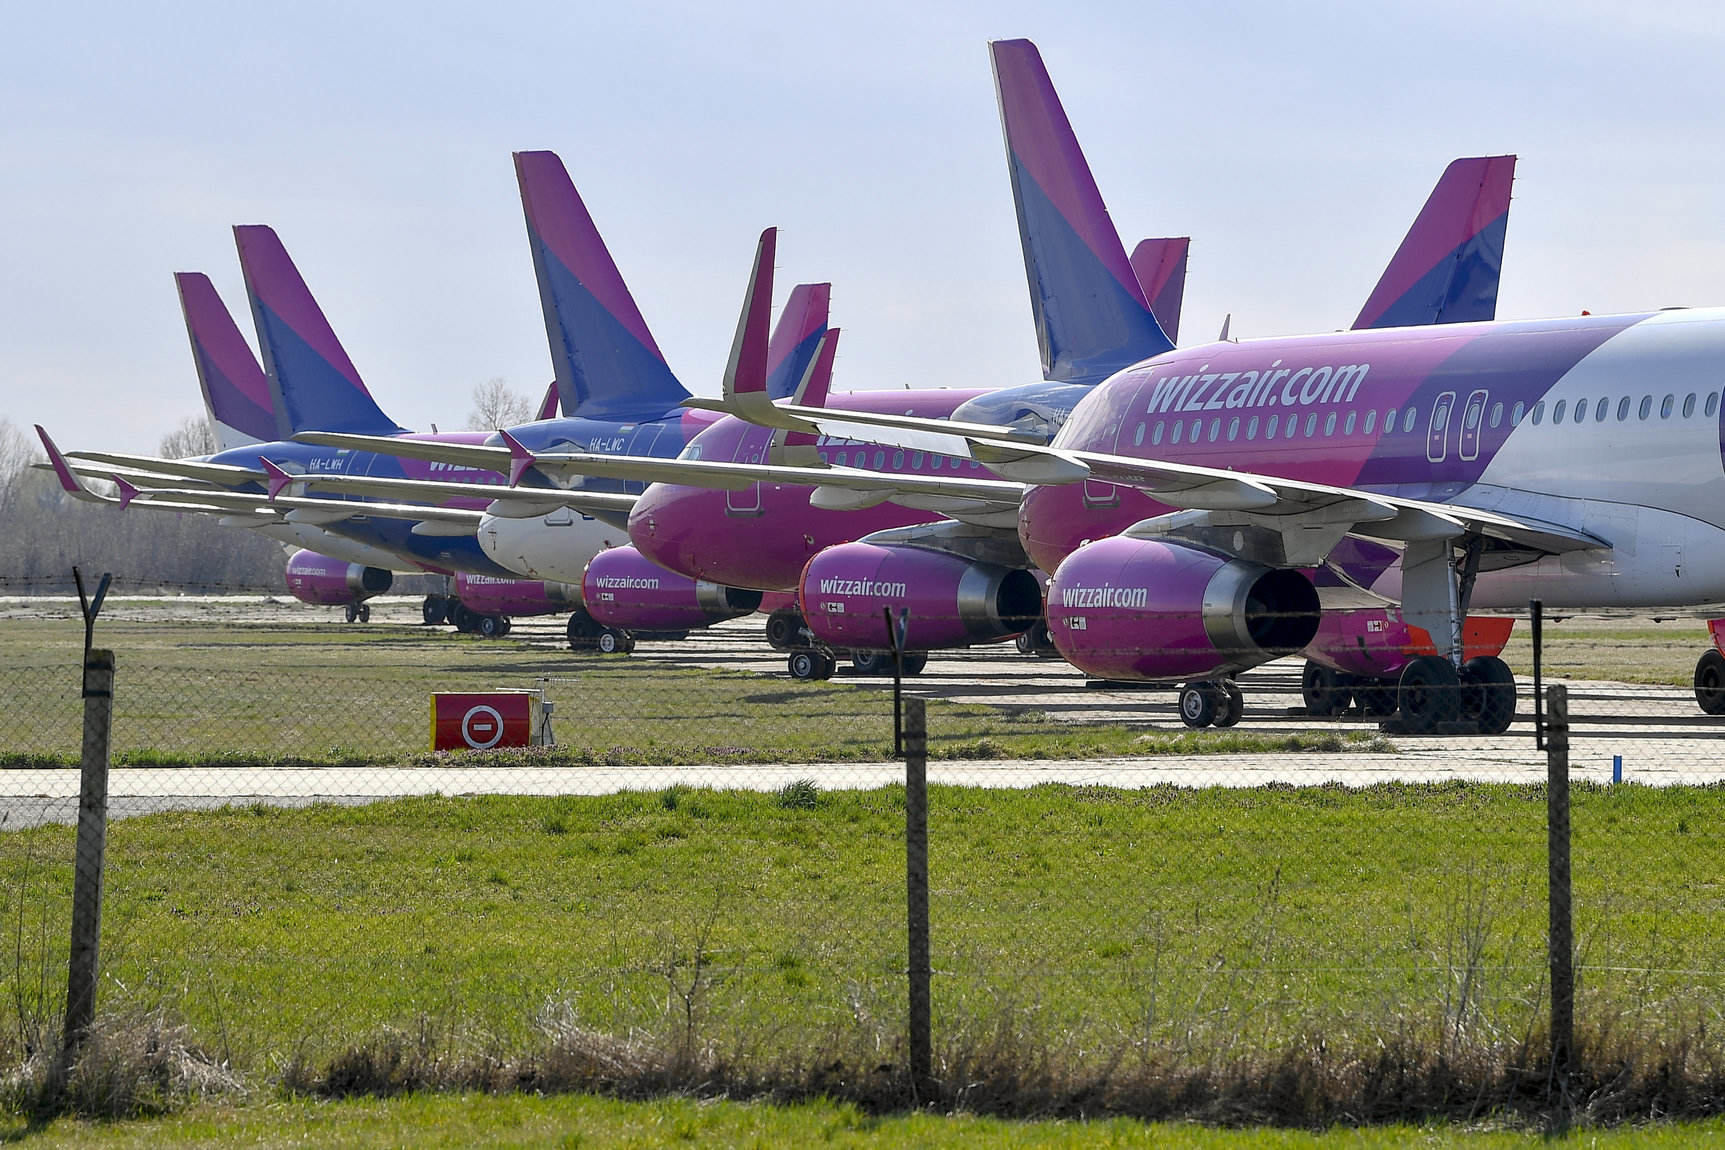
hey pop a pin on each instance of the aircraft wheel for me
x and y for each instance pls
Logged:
(581, 631)
(1326, 693)
(872, 662)
(915, 661)
(1492, 693)
(1197, 705)
(1710, 683)
(488, 626)
(805, 665)
(365, 612)
(505, 625)
(465, 621)
(1429, 694)
(433, 610)
(1377, 697)
(614, 642)
(784, 629)
(1231, 705)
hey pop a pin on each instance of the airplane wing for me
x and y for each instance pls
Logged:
(222, 474)
(300, 508)
(427, 489)
(462, 454)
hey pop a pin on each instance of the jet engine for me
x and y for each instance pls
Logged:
(326, 582)
(951, 601)
(488, 595)
(1154, 609)
(627, 591)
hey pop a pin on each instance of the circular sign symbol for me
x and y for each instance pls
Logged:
(482, 727)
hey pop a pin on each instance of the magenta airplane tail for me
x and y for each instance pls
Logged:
(1447, 268)
(607, 363)
(236, 390)
(315, 385)
(1160, 268)
(746, 371)
(1092, 317)
(796, 338)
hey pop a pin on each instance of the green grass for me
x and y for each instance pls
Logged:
(566, 1123)
(1632, 649)
(326, 694)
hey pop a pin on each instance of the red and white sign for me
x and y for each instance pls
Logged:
(480, 722)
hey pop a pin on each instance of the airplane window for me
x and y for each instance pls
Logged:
(879, 460)
(1156, 435)
(916, 460)
(1215, 429)
(1270, 427)
(1646, 407)
(1252, 428)
(1138, 436)
(1600, 408)
(1330, 424)
(1471, 417)
(1410, 418)
(1538, 412)
(1178, 427)
(1496, 414)
(840, 459)
(1689, 405)
(1581, 411)
(1233, 429)
(1623, 409)
(1371, 420)
(1311, 424)
(1390, 421)
(1348, 427)
(1515, 414)
(1665, 406)
(1196, 430)
(1712, 404)
(898, 461)
(1557, 412)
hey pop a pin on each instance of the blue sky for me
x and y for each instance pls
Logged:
(1292, 142)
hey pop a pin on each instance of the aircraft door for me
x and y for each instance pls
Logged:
(644, 439)
(751, 448)
(1097, 493)
(1437, 437)
(1471, 417)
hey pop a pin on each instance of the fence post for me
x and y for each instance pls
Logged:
(81, 968)
(916, 892)
(1561, 937)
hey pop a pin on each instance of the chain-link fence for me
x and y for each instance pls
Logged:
(702, 881)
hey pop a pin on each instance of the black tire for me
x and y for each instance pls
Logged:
(1232, 704)
(1326, 693)
(915, 661)
(784, 629)
(1377, 697)
(1710, 683)
(433, 610)
(581, 631)
(828, 665)
(611, 641)
(488, 626)
(465, 621)
(365, 612)
(1491, 699)
(508, 625)
(804, 665)
(1197, 705)
(872, 662)
(1429, 694)
(1026, 644)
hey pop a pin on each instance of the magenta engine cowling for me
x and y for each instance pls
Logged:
(951, 601)
(1125, 608)
(491, 595)
(625, 589)
(325, 582)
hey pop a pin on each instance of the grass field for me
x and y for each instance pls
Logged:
(1082, 937)
(322, 693)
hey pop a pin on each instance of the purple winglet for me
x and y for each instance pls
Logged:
(520, 459)
(61, 468)
(1160, 267)
(127, 492)
(548, 409)
(747, 370)
(820, 379)
(278, 478)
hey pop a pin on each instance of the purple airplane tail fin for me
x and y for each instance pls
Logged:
(1092, 317)
(817, 382)
(314, 384)
(606, 360)
(548, 406)
(1447, 268)
(236, 390)
(796, 337)
(1160, 268)
(746, 372)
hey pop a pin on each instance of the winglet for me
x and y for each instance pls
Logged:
(1448, 265)
(520, 459)
(314, 383)
(69, 480)
(746, 371)
(1092, 317)
(548, 409)
(127, 492)
(1160, 268)
(796, 337)
(278, 478)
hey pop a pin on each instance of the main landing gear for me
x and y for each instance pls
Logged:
(1211, 703)
(1036, 642)
(586, 633)
(1431, 697)
(359, 612)
(880, 662)
(470, 622)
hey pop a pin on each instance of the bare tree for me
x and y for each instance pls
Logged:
(496, 405)
(196, 435)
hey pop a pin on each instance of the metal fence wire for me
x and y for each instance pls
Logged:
(710, 857)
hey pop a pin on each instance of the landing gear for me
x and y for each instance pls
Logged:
(1488, 694)
(784, 629)
(1036, 642)
(582, 631)
(811, 665)
(915, 661)
(1211, 703)
(359, 612)
(467, 622)
(1429, 693)
(435, 610)
(612, 641)
(872, 662)
(491, 626)
(1326, 693)
(1710, 682)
